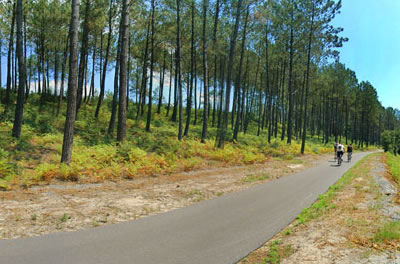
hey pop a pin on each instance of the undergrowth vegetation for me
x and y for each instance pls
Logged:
(35, 157)
(277, 252)
(389, 232)
(391, 141)
(393, 163)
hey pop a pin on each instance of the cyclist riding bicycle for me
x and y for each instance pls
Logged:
(335, 148)
(349, 151)
(340, 152)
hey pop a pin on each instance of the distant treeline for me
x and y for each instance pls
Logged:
(391, 141)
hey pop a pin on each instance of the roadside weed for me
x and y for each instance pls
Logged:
(255, 178)
(64, 218)
(389, 232)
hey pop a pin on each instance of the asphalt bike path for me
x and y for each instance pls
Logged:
(220, 230)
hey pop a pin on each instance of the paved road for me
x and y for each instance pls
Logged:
(221, 230)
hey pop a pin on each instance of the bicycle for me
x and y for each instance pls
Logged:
(340, 159)
(349, 154)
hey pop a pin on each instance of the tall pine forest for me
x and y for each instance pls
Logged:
(98, 90)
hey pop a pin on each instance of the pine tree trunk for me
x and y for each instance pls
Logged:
(178, 67)
(91, 89)
(14, 69)
(64, 62)
(282, 106)
(121, 130)
(38, 62)
(27, 72)
(104, 71)
(16, 132)
(128, 71)
(217, 8)
(175, 108)
(260, 121)
(72, 85)
(290, 85)
(190, 92)
(85, 73)
(162, 79)
(151, 68)
(9, 58)
(209, 94)
(221, 93)
(303, 140)
(234, 103)
(111, 124)
(276, 103)
(84, 50)
(44, 83)
(55, 74)
(170, 85)
(195, 90)
(221, 134)
(238, 80)
(244, 100)
(301, 102)
(143, 88)
(101, 55)
(28, 88)
(250, 97)
(137, 89)
(270, 109)
(48, 73)
(268, 93)
(204, 133)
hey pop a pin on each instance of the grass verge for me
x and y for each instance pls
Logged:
(324, 202)
(393, 163)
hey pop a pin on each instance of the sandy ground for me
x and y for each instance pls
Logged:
(68, 206)
(343, 234)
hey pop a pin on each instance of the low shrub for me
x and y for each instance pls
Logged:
(393, 163)
(389, 232)
(6, 168)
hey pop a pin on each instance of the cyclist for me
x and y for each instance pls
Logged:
(335, 149)
(349, 151)
(340, 152)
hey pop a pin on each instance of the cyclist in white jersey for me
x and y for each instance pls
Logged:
(340, 150)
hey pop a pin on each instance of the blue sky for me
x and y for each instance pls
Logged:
(373, 49)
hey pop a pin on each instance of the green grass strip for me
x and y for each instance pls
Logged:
(324, 202)
(394, 166)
